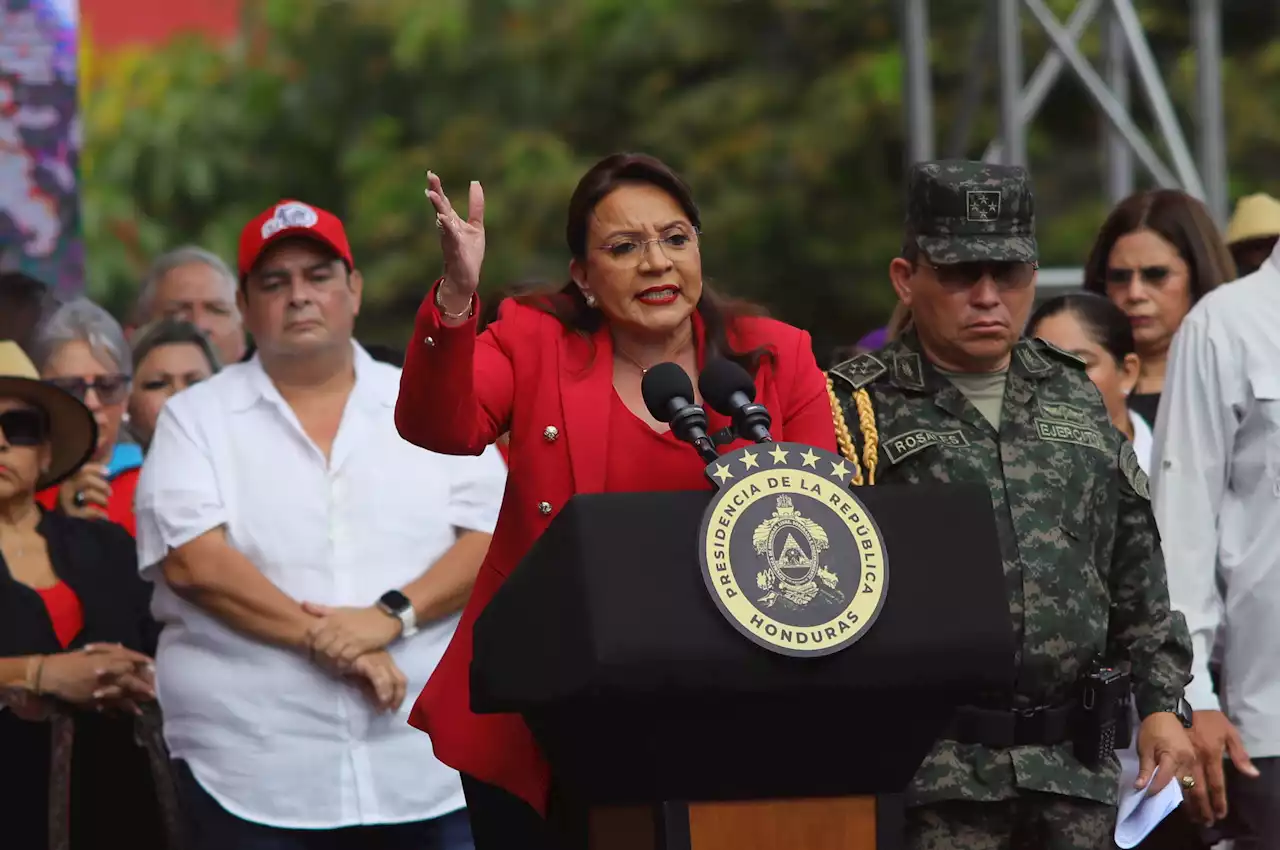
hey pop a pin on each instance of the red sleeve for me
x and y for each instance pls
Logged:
(48, 498)
(806, 415)
(456, 388)
(120, 506)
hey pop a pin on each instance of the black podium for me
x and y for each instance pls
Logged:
(671, 730)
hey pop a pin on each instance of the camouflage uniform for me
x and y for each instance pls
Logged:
(1081, 557)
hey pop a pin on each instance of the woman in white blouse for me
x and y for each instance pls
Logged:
(1098, 332)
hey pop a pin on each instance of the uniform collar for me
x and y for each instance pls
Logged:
(910, 369)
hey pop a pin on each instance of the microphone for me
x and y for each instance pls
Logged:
(668, 394)
(730, 391)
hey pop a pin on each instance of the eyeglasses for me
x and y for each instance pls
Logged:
(1007, 276)
(24, 426)
(677, 245)
(1150, 275)
(111, 389)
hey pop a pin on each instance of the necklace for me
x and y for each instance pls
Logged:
(627, 357)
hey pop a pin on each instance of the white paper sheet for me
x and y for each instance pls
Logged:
(1139, 813)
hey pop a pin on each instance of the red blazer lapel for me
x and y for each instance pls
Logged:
(586, 389)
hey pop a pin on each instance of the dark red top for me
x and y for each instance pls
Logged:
(64, 611)
(643, 460)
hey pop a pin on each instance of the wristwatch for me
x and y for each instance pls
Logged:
(395, 604)
(1183, 712)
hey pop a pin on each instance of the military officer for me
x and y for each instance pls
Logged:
(960, 398)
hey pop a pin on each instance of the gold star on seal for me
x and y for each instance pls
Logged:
(839, 470)
(722, 472)
(778, 455)
(749, 460)
(809, 458)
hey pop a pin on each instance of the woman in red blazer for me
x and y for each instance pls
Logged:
(561, 374)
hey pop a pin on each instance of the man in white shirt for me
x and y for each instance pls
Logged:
(1216, 490)
(309, 567)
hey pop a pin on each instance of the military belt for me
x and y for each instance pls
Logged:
(1044, 726)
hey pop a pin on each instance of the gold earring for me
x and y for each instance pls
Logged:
(591, 300)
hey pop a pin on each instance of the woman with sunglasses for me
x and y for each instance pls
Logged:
(76, 638)
(1156, 255)
(81, 349)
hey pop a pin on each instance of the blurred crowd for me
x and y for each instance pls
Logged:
(282, 477)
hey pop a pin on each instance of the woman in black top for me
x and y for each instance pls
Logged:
(76, 638)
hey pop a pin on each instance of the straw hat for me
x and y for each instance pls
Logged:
(1256, 217)
(73, 433)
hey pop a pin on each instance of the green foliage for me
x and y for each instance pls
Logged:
(784, 115)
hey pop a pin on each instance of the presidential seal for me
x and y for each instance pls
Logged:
(790, 555)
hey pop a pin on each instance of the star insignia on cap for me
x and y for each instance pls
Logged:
(809, 458)
(722, 472)
(749, 460)
(982, 205)
(839, 470)
(779, 455)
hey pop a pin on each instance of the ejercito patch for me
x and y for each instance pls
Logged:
(1133, 473)
(789, 554)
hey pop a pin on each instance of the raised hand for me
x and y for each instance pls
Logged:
(461, 241)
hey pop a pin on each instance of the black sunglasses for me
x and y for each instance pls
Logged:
(111, 389)
(24, 427)
(1151, 275)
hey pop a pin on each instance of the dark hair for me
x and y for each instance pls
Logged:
(1182, 221)
(1105, 323)
(172, 332)
(567, 303)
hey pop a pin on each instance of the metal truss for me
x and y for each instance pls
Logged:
(1126, 59)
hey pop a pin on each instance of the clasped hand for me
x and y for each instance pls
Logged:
(103, 676)
(351, 642)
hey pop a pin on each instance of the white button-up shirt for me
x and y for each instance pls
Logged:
(1216, 491)
(273, 738)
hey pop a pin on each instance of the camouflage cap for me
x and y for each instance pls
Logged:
(963, 212)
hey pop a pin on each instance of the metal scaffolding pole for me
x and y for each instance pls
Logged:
(918, 84)
(1046, 74)
(1013, 129)
(1206, 24)
(1119, 156)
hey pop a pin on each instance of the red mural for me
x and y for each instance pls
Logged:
(130, 23)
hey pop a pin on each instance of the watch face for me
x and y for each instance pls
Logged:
(1184, 712)
(395, 600)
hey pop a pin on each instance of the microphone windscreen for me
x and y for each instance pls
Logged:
(720, 379)
(660, 385)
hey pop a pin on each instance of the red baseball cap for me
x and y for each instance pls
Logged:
(292, 218)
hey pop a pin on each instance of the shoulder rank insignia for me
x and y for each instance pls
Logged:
(1065, 356)
(859, 371)
(1133, 471)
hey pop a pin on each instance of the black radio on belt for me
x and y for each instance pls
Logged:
(1102, 720)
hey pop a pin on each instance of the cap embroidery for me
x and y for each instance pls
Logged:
(982, 205)
(288, 216)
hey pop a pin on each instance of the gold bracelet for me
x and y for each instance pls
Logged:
(33, 677)
(471, 305)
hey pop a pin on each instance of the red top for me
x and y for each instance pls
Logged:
(553, 390)
(641, 459)
(119, 506)
(64, 611)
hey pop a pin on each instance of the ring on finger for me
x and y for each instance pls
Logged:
(79, 499)
(1188, 782)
